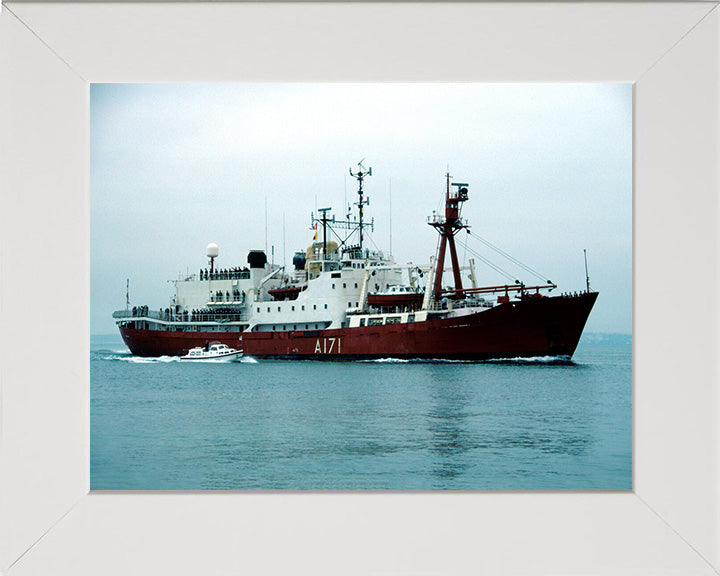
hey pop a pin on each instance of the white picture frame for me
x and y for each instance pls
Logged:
(50, 523)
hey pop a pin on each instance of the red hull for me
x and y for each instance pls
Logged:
(532, 327)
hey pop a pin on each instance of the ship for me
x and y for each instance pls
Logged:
(342, 300)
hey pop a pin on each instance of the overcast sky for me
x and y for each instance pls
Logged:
(174, 167)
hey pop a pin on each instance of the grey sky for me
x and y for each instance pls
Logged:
(174, 167)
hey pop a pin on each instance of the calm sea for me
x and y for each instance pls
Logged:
(158, 424)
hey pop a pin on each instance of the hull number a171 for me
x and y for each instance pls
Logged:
(327, 346)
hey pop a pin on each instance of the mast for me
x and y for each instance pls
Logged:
(354, 225)
(324, 221)
(359, 176)
(447, 227)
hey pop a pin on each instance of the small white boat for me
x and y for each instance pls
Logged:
(213, 351)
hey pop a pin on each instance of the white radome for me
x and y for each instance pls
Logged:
(212, 250)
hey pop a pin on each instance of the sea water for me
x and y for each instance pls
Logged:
(538, 424)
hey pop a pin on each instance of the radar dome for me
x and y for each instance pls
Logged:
(212, 250)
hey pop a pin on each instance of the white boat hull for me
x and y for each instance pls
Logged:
(216, 352)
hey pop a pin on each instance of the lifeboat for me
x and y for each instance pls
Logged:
(286, 293)
(396, 296)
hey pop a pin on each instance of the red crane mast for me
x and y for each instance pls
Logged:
(448, 226)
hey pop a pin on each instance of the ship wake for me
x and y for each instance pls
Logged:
(547, 360)
(534, 360)
(140, 359)
(119, 356)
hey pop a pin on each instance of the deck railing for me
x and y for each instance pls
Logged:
(455, 304)
(173, 317)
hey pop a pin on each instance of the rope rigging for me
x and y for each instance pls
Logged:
(509, 257)
(495, 267)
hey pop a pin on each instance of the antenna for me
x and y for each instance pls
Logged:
(283, 240)
(212, 253)
(390, 198)
(587, 276)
